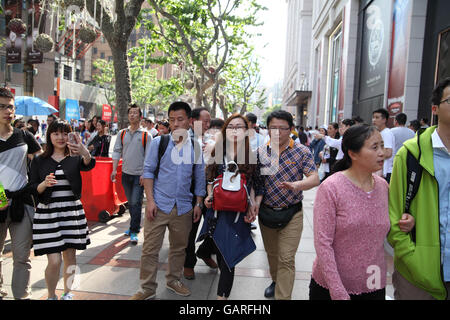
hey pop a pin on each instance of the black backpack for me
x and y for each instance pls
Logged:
(413, 177)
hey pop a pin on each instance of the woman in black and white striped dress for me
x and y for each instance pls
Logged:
(60, 224)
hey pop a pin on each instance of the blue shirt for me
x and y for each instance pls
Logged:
(173, 184)
(256, 141)
(441, 161)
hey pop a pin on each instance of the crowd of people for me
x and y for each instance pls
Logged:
(228, 174)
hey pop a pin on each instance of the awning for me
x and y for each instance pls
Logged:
(298, 98)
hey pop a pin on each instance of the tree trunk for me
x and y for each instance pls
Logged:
(222, 107)
(198, 97)
(123, 83)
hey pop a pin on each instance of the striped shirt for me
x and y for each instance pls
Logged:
(62, 223)
(295, 161)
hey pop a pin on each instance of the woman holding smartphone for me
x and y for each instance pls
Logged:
(59, 224)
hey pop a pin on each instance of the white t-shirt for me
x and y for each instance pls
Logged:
(389, 143)
(335, 143)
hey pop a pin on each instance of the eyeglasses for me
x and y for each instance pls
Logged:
(280, 129)
(446, 100)
(7, 106)
(236, 128)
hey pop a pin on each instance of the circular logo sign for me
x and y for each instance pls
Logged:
(376, 40)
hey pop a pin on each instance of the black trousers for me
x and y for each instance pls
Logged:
(226, 277)
(317, 292)
(205, 249)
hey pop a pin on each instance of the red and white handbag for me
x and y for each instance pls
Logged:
(230, 191)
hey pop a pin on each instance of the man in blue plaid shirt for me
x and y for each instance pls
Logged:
(285, 169)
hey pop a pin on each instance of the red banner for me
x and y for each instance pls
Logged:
(115, 113)
(54, 101)
(106, 112)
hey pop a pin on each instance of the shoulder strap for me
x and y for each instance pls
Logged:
(161, 150)
(413, 175)
(122, 135)
(144, 139)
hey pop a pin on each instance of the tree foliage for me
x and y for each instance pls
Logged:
(241, 89)
(268, 111)
(200, 36)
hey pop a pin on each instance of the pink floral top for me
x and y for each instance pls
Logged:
(350, 226)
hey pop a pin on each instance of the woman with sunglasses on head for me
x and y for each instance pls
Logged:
(351, 222)
(60, 225)
(231, 145)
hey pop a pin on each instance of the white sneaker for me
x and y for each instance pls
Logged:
(67, 296)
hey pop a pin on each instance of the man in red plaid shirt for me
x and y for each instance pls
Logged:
(285, 169)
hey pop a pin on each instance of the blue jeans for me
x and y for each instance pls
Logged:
(134, 193)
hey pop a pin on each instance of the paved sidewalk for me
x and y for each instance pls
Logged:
(109, 268)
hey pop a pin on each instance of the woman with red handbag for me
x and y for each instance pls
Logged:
(230, 174)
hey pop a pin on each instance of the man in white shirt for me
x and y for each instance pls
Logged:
(379, 120)
(401, 132)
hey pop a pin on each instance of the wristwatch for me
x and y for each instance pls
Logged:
(199, 204)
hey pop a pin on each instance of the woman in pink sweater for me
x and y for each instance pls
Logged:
(351, 221)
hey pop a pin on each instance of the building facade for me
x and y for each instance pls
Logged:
(296, 85)
(365, 55)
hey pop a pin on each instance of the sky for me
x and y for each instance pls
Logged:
(274, 37)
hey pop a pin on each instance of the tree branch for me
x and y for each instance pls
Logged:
(183, 36)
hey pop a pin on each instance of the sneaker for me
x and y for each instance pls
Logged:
(134, 238)
(127, 233)
(67, 296)
(53, 298)
(179, 288)
(143, 295)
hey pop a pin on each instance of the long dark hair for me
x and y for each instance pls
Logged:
(336, 127)
(353, 140)
(56, 126)
(246, 168)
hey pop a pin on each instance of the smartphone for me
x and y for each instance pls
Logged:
(73, 140)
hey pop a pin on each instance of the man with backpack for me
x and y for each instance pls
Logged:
(420, 186)
(168, 175)
(17, 205)
(131, 145)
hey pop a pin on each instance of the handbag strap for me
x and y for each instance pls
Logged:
(228, 163)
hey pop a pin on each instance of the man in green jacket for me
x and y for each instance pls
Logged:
(422, 262)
